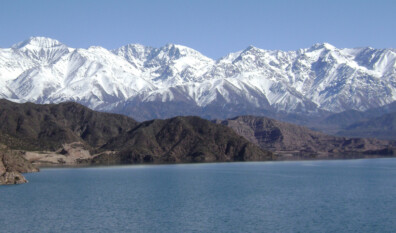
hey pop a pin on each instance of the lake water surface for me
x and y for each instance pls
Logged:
(307, 196)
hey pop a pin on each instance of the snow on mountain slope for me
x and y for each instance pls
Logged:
(41, 50)
(306, 81)
(167, 66)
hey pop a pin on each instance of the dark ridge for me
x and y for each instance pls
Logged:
(30, 126)
(299, 141)
(183, 139)
(118, 139)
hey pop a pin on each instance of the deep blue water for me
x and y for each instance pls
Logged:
(307, 196)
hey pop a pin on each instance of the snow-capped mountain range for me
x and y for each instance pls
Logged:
(146, 82)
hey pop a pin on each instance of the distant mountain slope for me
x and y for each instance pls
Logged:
(147, 83)
(382, 127)
(349, 117)
(285, 138)
(347, 123)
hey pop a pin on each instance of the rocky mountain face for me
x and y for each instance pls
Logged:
(294, 141)
(12, 164)
(69, 133)
(148, 83)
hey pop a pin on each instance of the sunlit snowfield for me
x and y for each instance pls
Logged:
(308, 196)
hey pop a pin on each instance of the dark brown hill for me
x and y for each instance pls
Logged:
(68, 133)
(286, 138)
(65, 131)
(182, 139)
(46, 127)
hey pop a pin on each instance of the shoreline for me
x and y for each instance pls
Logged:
(55, 166)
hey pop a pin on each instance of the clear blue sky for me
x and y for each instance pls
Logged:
(213, 27)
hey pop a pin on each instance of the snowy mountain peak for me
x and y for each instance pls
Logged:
(97, 48)
(175, 79)
(325, 46)
(38, 42)
(41, 49)
(134, 48)
(170, 46)
(175, 51)
(252, 50)
(251, 55)
(134, 53)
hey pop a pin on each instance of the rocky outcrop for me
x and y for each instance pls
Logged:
(12, 164)
(300, 142)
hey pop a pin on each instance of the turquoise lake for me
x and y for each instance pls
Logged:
(305, 196)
